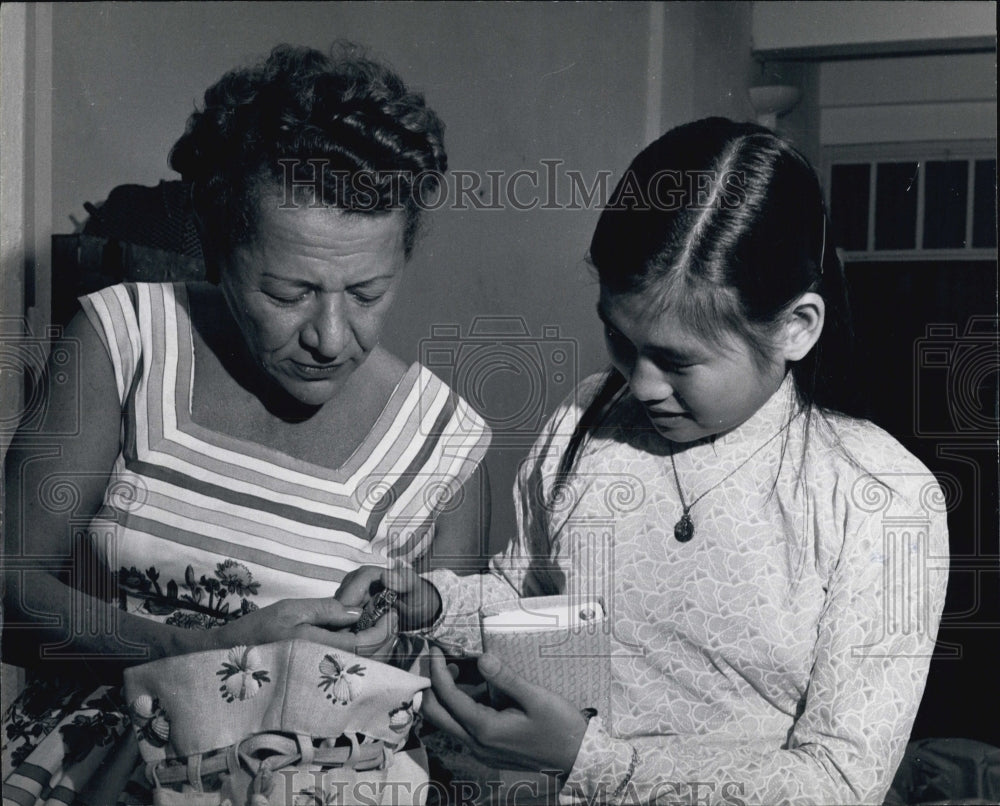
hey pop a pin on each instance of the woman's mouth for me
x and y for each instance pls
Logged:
(316, 371)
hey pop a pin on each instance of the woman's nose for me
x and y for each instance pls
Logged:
(327, 330)
(647, 382)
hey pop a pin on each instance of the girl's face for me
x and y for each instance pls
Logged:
(690, 388)
(311, 292)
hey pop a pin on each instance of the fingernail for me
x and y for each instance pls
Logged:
(489, 665)
(353, 611)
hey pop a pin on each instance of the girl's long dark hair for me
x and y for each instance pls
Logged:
(724, 224)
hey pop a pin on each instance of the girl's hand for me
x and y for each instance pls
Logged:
(542, 734)
(319, 620)
(418, 604)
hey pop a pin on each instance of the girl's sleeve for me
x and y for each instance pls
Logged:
(874, 644)
(530, 564)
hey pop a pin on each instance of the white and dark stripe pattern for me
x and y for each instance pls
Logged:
(186, 496)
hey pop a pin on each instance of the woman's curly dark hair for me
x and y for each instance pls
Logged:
(378, 146)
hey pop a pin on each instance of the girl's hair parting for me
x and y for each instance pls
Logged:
(724, 225)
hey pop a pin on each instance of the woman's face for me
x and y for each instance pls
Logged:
(690, 389)
(311, 292)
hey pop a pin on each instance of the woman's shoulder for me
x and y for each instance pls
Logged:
(434, 391)
(130, 301)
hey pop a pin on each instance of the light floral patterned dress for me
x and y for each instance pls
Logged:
(779, 656)
(202, 527)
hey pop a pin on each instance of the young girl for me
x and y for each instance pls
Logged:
(767, 556)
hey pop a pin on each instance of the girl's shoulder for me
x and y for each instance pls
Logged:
(859, 451)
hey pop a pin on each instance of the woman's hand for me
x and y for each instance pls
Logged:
(542, 734)
(319, 620)
(418, 604)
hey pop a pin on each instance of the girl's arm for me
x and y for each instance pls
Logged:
(530, 565)
(874, 645)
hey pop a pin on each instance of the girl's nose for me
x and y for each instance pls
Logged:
(648, 383)
(327, 331)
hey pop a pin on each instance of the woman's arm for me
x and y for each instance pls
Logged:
(54, 484)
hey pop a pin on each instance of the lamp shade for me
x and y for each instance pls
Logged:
(772, 100)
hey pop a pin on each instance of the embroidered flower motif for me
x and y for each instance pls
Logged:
(150, 720)
(193, 621)
(236, 578)
(160, 727)
(401, 718)
(314, 796)
(334, 679)
(242, 674)
(143, 707)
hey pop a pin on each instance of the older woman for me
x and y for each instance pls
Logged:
(242, 445)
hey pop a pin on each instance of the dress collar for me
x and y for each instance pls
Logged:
(728, 449)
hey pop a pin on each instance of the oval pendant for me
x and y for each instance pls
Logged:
(684, 529)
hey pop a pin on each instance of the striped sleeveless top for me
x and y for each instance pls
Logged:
(201, 526)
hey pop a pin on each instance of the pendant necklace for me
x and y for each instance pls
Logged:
(684, 528)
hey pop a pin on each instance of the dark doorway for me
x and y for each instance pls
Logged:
(928, 364)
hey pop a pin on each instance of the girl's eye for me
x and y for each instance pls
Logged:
(670, 365)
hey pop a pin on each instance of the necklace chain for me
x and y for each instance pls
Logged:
(684, 528)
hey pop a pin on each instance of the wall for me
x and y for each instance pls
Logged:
(906, 98)
(516, 83)
(874, 26)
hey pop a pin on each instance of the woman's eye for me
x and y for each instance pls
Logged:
(287, 299)
(366, 299)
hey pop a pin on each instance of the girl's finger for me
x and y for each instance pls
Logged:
(438, 715)
(472, 716)
(526, 695)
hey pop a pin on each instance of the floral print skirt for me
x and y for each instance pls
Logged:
(63, 744)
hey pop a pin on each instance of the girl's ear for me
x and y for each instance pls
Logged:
(802, 327)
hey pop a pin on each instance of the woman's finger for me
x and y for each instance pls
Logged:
(344, 640)
(379, 638)
(328, 612)
(355, 587)
(401, 578)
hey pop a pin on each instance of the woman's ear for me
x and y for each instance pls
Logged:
(802, 327)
